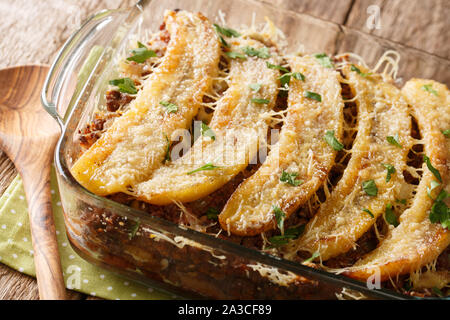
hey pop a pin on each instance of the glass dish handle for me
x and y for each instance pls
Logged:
(67, 61)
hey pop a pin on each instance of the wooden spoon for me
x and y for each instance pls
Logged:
(28, 135)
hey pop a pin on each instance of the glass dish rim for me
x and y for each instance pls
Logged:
(225, 245)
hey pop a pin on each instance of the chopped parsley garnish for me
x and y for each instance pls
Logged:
(432, 169)
(262, 53)
(358, 71)
(369, 212)
(208, 166)
(332, 141)
(141, 54)
(260, 101)
(313, 95)
(125, 85)
(390, 216)
(440, 212)
(235, 55)
(394, 140)
(314, 256)
(437, 291)
(324, 60)
(207, 132)
(390, 170)
(227, 32)
(401, 201)
(223, 42)
(134, 230)
(276, 66)
(212, 213)
(279, 216)
(167, 156)
(446, 133)
(286, 78)
(433, 185)
(370, 188)
(429, 88)
(289, 234)
(170, 107)
(290, 178)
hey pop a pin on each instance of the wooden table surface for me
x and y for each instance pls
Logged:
(33, 31)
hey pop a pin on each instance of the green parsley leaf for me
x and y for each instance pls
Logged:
(324, 60)
(370, 188)
(260, 101)
(212, 213)
(289, 234)
(170, 107)
(279, 216)
(429, 88)
(125, 85)
(332, 141)
(235, 55)
(275, 66)
(207, 132)
(401, 201)
(295, 231)
(262, 53)
(314, 256)
(394, 140)
(431, 168)
(313, 95)
(141, 54)
(446, 133)
(433, 185)
(167, 156)
(439, 213)
(358, 71)
(208, 166)
(223, 42)
(437, 291)
(227, 32)
(390, 170)
(134, 230)
(289, 178)
(390, 216)
(255, 87)
(369, 212)
(286, 78)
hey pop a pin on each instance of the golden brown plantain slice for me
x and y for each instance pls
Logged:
(135, 144)
(238, 127)
(417, 241)
(301, 152)
(343, 218)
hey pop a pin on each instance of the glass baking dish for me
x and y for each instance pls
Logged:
(160, 253)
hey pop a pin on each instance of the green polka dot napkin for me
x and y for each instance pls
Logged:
(16, 251)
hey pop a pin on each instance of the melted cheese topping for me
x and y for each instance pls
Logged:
(416, 241)
(301, 149)
(341, 221)
(123, 154)
(238, 128)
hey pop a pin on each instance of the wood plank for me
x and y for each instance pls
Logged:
(335, 11)
(17, 286)
(420, 24)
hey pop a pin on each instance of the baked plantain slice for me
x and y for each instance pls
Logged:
(417, 241)
(366, 187)
(237, 126)
(299, 163)
(124, 155)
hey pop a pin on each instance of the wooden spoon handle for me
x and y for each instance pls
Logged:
(46, 256)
